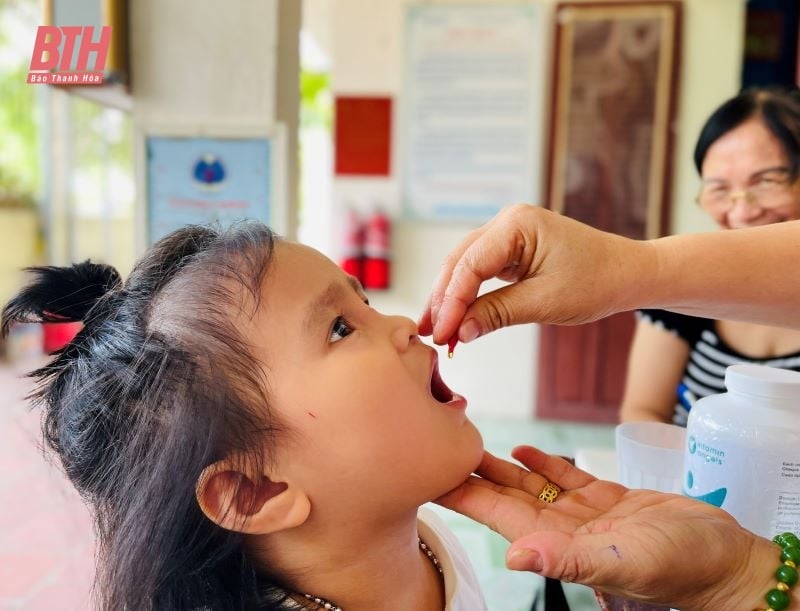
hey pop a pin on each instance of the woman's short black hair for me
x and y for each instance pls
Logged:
(778, 107)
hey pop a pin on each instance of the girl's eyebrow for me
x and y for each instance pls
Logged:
(356, 284)
(325, 301)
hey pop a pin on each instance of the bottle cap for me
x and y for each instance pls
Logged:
(769, 382)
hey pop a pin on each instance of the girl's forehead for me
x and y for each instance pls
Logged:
(293, 253)
(300, 268)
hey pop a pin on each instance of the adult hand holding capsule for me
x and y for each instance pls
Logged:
(564, 272)
(560, 271)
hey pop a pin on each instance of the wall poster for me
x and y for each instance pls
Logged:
(220, 177)
(469, 141)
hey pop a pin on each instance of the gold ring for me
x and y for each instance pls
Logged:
(549, 493)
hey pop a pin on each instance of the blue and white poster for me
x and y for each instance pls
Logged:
(199, 180)
(472, 102)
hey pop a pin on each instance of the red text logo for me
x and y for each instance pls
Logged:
(54, 51)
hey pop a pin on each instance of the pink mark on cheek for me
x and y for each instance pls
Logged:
(312, 415)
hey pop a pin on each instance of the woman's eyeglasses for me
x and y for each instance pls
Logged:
(764, 192)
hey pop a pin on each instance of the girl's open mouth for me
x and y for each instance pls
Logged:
(441, 392)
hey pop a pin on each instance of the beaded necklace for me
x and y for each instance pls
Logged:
(328, 605)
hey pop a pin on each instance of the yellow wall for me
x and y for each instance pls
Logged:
(19, 247)
(97, 240)
(713, 47)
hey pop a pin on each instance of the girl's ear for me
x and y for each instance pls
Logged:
(232, 500)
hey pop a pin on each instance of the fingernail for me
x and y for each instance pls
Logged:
(469, 331)
(524, 559)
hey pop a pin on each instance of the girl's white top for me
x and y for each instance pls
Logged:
(461, 589)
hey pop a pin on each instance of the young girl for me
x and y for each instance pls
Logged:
(249, 433)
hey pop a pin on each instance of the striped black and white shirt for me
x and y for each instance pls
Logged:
(709, 356)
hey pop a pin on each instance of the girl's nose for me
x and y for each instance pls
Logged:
(404, 332)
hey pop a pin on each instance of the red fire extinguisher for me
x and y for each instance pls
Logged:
(352, 245)
(377, 263)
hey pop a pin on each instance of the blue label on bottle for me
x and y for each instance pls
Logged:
(715, 497)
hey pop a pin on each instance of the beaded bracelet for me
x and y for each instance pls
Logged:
(778, 598)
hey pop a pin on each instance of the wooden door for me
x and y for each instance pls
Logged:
(581, 369)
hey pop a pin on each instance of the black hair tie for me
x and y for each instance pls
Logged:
(61, 294)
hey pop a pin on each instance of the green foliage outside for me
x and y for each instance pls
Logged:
(316, 111)
(101, 141)
(315, 99)
(20, 166)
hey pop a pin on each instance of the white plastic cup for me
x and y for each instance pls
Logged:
(650, 455)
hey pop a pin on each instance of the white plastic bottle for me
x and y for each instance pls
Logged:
(743, 449)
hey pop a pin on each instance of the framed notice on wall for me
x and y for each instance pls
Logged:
(195, 177)
(614, 93)
(470, 110)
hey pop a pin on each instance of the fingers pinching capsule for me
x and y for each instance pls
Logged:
(451, 346)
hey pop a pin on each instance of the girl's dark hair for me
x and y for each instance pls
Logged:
(159, 384)
(778, 107)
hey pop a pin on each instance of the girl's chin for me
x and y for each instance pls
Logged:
(472, 456)
(478, 450)
(461, 475)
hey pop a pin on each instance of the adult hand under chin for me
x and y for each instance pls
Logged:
(643, 545)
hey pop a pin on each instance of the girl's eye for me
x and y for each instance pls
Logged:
(341, 329)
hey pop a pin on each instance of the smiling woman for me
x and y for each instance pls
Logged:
(748, 157)
(749, 161)
(232, 441)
